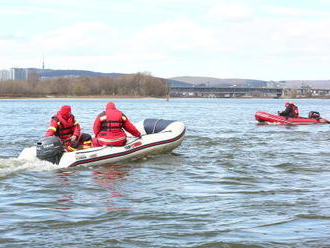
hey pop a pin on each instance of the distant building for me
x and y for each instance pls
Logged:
(19, 73)
(4, 75)
(14, 74)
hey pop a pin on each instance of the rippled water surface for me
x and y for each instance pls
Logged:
(232, 183)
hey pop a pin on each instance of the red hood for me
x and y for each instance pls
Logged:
(110, 105)
(65, 112)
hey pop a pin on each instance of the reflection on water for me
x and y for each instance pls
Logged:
(108, 178)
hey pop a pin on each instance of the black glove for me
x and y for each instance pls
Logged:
(74, 144)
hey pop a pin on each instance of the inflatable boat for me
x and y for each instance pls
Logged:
(264, 117)
(158, 136)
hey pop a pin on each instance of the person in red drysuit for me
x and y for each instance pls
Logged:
(109, 127)
(291, 110)
(64, 125)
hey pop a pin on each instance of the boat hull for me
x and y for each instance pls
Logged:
(132, 151)
(264, 117)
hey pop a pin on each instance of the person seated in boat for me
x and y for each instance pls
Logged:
(109, 127)
(291, 110)
(64, 125)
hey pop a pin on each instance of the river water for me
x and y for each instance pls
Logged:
(232, 183)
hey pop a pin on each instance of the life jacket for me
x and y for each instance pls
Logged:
(111, 122)
(111, 131)
(65, 127)
(295, 111)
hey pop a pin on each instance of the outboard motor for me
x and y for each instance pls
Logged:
(50, 149)
(314, 115)
(155, 125)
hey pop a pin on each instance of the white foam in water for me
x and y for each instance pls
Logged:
(13, 165)
(26, 160)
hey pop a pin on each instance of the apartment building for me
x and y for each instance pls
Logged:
(14, 74)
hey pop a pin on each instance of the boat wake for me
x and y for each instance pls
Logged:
(25, 161)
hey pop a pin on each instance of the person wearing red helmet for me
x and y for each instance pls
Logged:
(64, 125)
(291, 110)
(109, 127)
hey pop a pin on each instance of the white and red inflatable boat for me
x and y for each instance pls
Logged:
(264, 117)
(158, 136)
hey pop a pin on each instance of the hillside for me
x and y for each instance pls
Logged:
(52, 73)
(192, 80)
(316, 84)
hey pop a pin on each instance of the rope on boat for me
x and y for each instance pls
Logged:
(153, 130)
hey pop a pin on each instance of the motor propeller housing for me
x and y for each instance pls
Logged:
(50, 149)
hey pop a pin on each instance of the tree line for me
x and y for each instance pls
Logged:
(131, 85)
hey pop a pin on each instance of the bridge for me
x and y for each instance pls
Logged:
(229, 92)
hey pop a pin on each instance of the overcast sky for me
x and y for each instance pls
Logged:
(255, 39)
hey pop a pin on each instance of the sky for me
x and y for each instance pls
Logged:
(251, 39)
